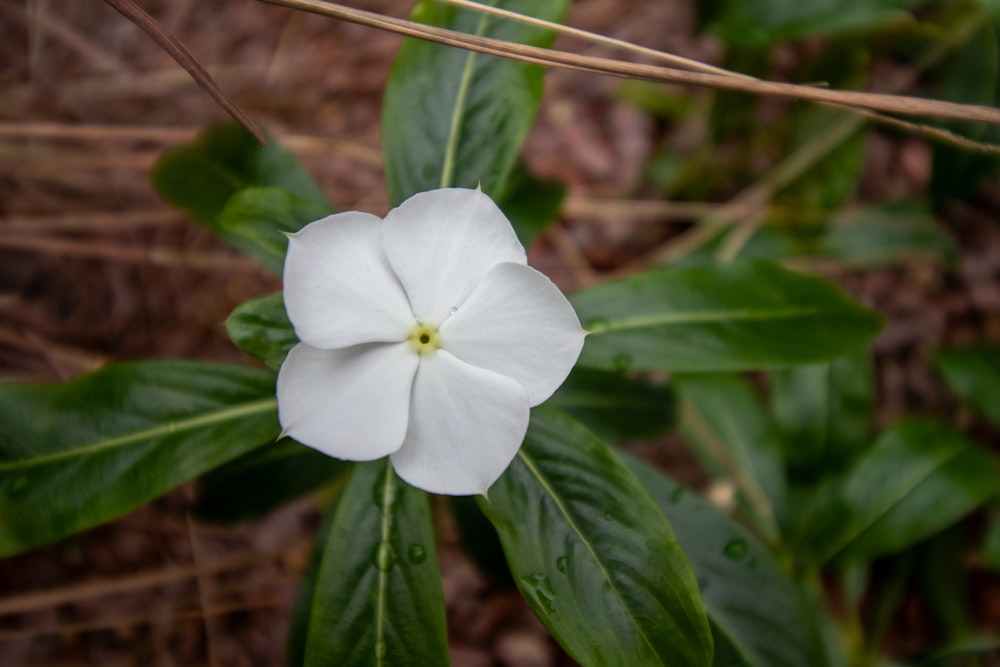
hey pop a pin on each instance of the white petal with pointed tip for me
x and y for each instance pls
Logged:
(441, 243)
(339, 289)
(466, 425)
(351, 403)
(518, 324)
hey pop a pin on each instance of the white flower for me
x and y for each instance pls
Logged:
(425, 337)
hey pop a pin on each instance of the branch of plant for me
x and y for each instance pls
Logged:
(185, 59)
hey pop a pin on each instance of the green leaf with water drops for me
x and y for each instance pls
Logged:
(262, 481)
(824, 412)
(974, 374)
(202, 176)
(617, 406)
(732, 434)
(77, 454)
(755, 608)
(378, 598)
(737, 316)
(455, 118)
(918, 478)
(261, 328)
(259, 217)
(593, 555)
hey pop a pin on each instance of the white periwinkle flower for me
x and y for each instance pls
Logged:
(425, 337)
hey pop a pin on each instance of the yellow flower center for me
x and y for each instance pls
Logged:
(424, 338)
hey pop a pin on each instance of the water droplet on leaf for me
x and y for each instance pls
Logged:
(562, 564)
(538, 590)
(416, 554)
(385, 557)
(735, 550)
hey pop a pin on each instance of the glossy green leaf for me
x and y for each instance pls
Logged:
(971, 76)
(261, 328)
(262, 216)
(918, 478)
(78, 454)
(615, 405)
(263, 480)
(378, 598)
(974, 374)
(737, 316)
(724, 421)
(201, 176)
(769, 21)
(824, 412)
(454, 118)
(593, 555)
(755, 608)
(530, 203)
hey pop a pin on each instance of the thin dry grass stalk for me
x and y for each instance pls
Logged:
(912, 106)
(185, 59)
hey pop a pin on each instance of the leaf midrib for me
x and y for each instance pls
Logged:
(169, 428)
(905, 490)
(458, 112)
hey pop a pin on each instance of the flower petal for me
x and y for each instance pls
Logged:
(440, 243)
(351, 403)
(466, 425)
(339, 289)
(517, 323)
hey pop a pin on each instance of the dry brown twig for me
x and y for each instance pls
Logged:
(185, 59)
(899, 104)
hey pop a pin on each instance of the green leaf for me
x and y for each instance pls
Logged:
(883, 234)
(919, 478)
(78, 454)
(824, 412)
(971, 76)
(737, 316)
(455, 118)
(754, 606)
(378, 598)
(201, 176)
(974, 374)
(298, 626)
(768, 21)
(731, 432)
(615, 405)
(593, 555)
(261, 328)
(263, 480)
(530, 203)
(262, 216)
